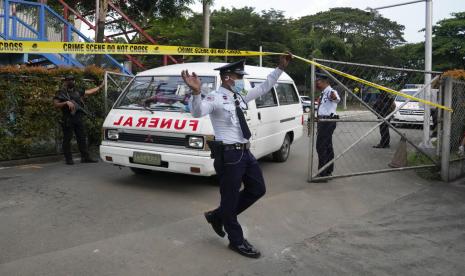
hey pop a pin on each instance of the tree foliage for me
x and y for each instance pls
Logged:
(449, 42)
(350, 34)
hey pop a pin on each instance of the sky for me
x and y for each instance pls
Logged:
(411, 16)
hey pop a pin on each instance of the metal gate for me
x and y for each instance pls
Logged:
(357, 127)
(115, 84)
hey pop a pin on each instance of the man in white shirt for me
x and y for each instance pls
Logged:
(326, 110)
(234, 163)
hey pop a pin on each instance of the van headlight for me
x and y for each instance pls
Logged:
(195, 142)
(112, 134)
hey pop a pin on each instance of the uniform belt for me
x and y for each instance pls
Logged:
(237, 146)
(328, 117)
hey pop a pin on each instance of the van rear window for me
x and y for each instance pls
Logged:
(267, 100)
(161, 93)
(286, 94)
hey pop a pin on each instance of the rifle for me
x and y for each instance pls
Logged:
(77, 106)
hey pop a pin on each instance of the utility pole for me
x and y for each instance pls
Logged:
(100, 16)
(206, 26)
(428, 67)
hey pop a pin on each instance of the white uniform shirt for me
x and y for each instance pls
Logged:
(220, 105)
(327, 105)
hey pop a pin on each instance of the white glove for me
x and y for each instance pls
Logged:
(461, 150)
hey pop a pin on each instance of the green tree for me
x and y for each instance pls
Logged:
(449, 43)
(448, 47)
(352, 34)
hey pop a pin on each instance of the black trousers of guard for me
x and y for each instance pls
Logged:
(324, 146)
(385, 137)
(74, 124)
(237, 167)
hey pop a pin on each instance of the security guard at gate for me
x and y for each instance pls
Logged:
(326, 110)
(234, 163)
(70, 100)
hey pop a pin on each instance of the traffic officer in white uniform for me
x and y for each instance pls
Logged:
(326, 110)
(234, 163)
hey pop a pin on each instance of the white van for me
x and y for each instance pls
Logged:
(413, 113)
(165, 137)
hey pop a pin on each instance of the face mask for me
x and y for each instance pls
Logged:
(238, 86)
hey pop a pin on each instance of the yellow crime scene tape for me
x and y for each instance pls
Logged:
(51, 47)
(47, 47)
(377, 86)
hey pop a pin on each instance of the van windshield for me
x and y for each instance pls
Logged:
(165, 93)
(411, 93)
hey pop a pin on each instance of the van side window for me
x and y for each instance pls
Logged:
(286, 94)
(267, 100)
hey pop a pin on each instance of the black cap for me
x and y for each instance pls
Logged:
(235, 67)
(69, 77)
(321, 76)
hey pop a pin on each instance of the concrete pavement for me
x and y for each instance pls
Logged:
(99, 220)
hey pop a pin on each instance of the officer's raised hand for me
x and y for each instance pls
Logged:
(284, 60)
(192, 81)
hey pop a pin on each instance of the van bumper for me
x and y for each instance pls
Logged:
(172, 162)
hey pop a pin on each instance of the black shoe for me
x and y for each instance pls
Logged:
(69, 162)
(89, 160)
(246, 249)
(215, 222)
(381, 146)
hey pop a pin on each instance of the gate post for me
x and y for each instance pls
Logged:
(311, 124)
(446, 126)
(105, 100)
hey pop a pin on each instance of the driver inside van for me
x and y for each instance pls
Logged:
(234, 163)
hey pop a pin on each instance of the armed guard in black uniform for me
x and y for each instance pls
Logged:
(70, 100)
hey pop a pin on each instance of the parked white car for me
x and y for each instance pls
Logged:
(413, 113)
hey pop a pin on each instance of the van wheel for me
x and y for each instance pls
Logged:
(140, 171)
(283, 153)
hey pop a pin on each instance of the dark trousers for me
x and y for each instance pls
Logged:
(385, 137)
(237, 167)
(76, 125)
(324, 146)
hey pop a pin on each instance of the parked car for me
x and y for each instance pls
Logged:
(413, 113)
(307, 103)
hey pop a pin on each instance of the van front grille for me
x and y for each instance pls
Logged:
(153, 139)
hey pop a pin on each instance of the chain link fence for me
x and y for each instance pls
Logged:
(453, 131)
(376, 131)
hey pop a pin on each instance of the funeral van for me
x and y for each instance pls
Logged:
(162, 135)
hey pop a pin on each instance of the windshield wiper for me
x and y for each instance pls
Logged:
(147, 108)
(169, 108)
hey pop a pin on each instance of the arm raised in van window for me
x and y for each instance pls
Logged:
(263, 88)
(271, 80)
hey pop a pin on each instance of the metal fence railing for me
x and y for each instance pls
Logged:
(376, 132)
(22, 20)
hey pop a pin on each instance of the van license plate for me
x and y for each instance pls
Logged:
(146, 158)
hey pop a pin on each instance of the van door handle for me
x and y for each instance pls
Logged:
(259, 116)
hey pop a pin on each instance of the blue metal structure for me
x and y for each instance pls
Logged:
(24, 20)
